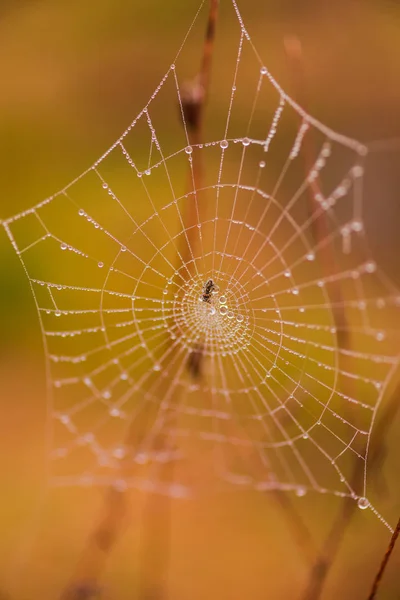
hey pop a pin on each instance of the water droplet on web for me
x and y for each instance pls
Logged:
(63, 246)
(246, 141)
(100, 265)
(358, 171)
(380, 336)
(305, 436)
(300, 491)
(230, 314)
(105, 186)
(156, 367)
(188, 149)
(263, 70)
(310, 256)
(240, 318)
(223, 310)
(147, 172)
(114, 412)
(295, 291)
(261, 164)
(224, 144)
(287, 273)
(222, 300)
(58, 313)
(363, 503)
(81, 212)
(370, 267)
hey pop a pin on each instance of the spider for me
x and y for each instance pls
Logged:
(208, 290)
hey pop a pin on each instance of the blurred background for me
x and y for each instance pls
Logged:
(74, 74)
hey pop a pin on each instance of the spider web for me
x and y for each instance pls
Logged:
(238, 329)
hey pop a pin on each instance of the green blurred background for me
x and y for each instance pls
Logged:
(74, 74)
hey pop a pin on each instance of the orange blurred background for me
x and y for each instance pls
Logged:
(74, 75)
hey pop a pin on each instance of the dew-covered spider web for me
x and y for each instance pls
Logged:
(213, 304)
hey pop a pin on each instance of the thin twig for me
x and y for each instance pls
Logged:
(384, 563)
(320, 226)
(157, 514)
(194, 96)
(332, 541)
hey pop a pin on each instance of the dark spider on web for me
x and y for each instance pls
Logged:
(208, 290)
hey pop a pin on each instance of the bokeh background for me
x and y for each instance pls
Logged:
(74, 74)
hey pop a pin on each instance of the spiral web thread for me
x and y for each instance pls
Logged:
(131, 296)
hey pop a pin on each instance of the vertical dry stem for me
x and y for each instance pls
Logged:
(194, 97)
(384, 563)
(321, 230)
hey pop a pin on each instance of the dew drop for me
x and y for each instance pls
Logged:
(287, 273)
(295, 291)
(81, 212)
(261, 164)
(223, 310)
(188, 149)
(370, 267)
(230, 315)
(240, 318)
(156, 367)
(63, 246)
(310, 256)
(100, 265)
(358, 171)
(114, 412)
(224, 144)
(58, 313)
(300, 491)
(222, 300)
(246, 141)
(263, 70)
(363, 503)
(105, 186)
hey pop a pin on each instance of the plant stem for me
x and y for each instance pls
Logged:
(384, 563)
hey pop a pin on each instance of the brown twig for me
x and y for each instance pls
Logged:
(194, 96)
(332, 541)
(328, 264)
(384, 563)
(320, 226)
